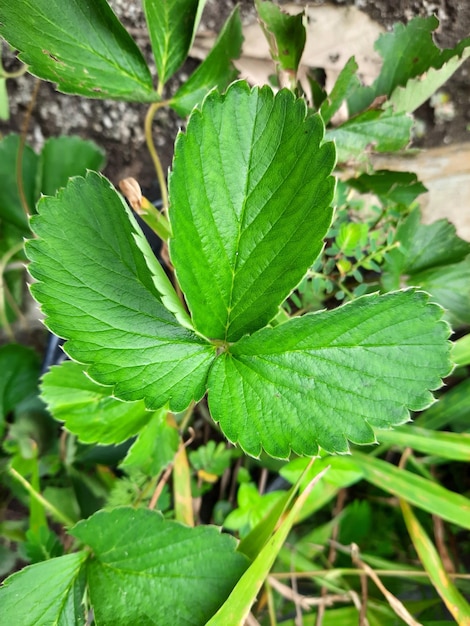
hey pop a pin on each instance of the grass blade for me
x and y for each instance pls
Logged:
(453, 446)
(236, 609)
(455, 602)
(414, 489)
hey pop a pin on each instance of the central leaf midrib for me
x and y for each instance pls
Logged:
(230, 306)
(240, 222)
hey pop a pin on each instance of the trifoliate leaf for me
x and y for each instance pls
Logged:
(78, 44)
(98, 293)
(47, 593)
(252, 219)
(217, 69)
(144, 567)
(330, 377)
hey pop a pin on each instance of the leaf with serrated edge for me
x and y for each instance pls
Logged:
(156, 445)
(170, 25)
(285, 33)
(345, 83)
(330, 377)
(408, 52)
(426, 246)
(217, 69)
(80, 45)
(51, 593)
(371, 131)
(88, 409)
(143, 565)
(253, 218)
(97, 292)
(449, 286)
(417, 90)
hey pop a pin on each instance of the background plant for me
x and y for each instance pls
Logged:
(356, 260)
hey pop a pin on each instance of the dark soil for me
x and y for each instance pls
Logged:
(118, 127)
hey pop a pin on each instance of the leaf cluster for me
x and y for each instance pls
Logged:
(239, 338)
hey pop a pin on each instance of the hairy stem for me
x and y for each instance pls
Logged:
(61, 517)
(153, 151)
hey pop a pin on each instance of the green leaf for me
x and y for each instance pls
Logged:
(211, 458)
(253, 219)
(350, 236)
(434, 258)
(88, 409)
(143, 566)
(417, 90)
(217, 69)
(408, 51)
(449, 286)
(19, 366)
(11, 209)
(155, 447)
(98, 292)
(51, 593)
(171, 25)
(256, 539)
(252, 508)
(426, 246)
(345, 83)
(371, 131)
(80, 45)
(285, 33)
(388, 185)
(64, 157)
(42, 544)
(330, 377)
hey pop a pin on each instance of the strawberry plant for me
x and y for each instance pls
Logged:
(224, 334)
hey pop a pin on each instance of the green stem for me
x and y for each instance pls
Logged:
(61, 517)
(153, 151)
(370, 256)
